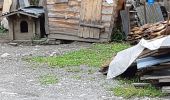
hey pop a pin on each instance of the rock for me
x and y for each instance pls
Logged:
(53, 42)
(13, 44)
(5, 55)
(53, 54)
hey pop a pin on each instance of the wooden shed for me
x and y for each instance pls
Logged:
(25, 23)
(81, 20)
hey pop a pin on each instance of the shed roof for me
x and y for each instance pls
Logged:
(33, 11)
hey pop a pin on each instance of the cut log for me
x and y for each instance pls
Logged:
(149, 31)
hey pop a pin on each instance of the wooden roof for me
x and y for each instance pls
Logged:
(32, 11)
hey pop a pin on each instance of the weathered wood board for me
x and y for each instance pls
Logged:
(153, 14)
(125, 22)
(90, 14)
(166, 89)
(80, 19)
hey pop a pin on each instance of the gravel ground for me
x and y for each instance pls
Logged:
(19, 80)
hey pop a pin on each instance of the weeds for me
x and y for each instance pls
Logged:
(48, 79)
(94, 56)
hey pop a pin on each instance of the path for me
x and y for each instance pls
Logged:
(19, 80)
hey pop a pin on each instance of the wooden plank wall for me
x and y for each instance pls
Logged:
(64, 19)
(1, 6)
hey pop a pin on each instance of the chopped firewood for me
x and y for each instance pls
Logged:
(135, 29)
(149, 31)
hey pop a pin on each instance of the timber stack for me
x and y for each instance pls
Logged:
(154, 67)
(149, 31)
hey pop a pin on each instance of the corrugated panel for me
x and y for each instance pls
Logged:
(30, 11)
(150, 61)
(153, 13)
(33, 10)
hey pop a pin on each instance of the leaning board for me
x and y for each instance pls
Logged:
(153, 14)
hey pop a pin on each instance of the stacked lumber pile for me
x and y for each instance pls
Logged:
(149, 31)
(154, 67)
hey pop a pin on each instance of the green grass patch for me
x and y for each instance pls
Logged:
(48, 79)
(127, 90)
(94, 56)
(2, 30)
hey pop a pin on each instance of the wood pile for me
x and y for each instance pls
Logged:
(154, 67)
(149, 31)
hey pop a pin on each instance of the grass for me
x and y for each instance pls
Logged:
(2, 30)
(94, 56)
(48, 79)
(127, 90)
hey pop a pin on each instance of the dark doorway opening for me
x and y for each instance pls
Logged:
(24, 27)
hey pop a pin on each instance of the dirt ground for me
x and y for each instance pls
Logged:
(19, 80)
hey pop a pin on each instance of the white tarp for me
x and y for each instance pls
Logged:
(109, 1)
(6, 8)
(126, 57)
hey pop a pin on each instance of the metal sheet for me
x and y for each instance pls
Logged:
(150, 61)
(125, 58)
(32, 11)
(153, 13)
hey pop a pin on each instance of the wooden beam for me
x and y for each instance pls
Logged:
(164, 80)
(92, 25)
(149, 77)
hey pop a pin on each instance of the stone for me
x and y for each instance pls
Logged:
(13, 44)
(5, 55)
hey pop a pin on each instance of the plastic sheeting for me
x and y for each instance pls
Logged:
(109, 1)
(6, 8)
(126, 57)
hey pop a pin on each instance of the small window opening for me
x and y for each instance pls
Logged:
(24, 27)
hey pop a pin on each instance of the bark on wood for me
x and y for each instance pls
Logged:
(149, 31)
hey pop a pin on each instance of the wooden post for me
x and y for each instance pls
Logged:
(11, 29)
(128, 17)
(166, 33)
(43, 3)
(145, 12)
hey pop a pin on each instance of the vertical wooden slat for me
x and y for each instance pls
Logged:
(167, 4)
(97, 17)
(90, 14)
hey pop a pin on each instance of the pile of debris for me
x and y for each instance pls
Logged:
(149, 59)
(149, 31)
(154, 66)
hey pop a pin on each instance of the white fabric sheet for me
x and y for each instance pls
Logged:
(126, 57)
(109, 1)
